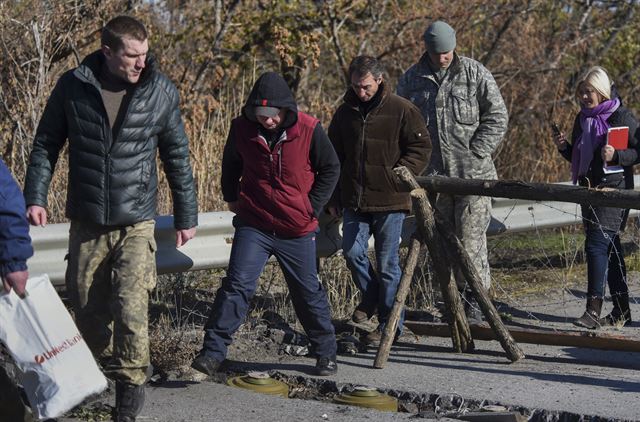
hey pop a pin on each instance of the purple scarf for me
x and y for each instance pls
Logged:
(593, 122)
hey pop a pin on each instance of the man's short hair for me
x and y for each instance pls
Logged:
(122, 27)
(361, 65)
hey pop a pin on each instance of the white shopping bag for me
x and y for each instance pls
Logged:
(58, 369)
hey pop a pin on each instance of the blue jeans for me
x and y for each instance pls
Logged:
(386, 227)
(605, 263)
(297, 258)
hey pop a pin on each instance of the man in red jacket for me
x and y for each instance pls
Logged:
(278, 171)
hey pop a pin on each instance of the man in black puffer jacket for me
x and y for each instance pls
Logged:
(117, 111)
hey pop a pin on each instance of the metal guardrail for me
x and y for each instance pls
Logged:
(517, 215)
(209, 249)
(212, 245)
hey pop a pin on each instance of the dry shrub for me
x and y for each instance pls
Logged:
(534, 49)
(342, 292)
(179, 307)
(173, 345)
(422, 295)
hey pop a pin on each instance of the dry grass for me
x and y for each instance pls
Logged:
(342, 293)
(173, 344)
(530, 264)
(181, 303)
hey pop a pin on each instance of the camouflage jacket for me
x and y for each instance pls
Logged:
(466, 116)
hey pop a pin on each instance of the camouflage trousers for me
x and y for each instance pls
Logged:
(470, 217)
(109, 275)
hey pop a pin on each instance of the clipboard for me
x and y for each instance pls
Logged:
(618, 137)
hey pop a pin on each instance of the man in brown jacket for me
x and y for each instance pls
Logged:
(374, 131)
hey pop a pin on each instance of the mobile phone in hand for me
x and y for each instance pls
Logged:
(555, 129)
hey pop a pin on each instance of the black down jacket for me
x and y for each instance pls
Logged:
(112, 180)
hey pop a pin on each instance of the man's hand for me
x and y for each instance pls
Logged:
(37, 215)
(233, 206)
(16, 280)
(184, 235)
(334, 212)
(607, 153)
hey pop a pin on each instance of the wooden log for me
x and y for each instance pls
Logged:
(620, 198)
(464, 264)
(568, 338)
(391, 326)
(460, 260)
(460, 333)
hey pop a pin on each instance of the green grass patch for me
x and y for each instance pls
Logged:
(534, 263)
(633, 261)
(509, 283)
(541, 243)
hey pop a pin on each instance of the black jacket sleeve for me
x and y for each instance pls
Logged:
(231, 168)
(50, 137)
(173, 146)
(324, 162)
(336, 142)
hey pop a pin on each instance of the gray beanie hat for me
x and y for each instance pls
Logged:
(440, 37)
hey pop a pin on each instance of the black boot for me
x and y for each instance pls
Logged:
(591, 317)
(620, 314)
(129, 401)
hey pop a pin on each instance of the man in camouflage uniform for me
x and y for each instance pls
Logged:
(467, 119)
(117, 111)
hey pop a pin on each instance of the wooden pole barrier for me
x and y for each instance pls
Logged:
(619, 198)
(461, 261)
(458, 324)
(571, 338)
(464, 264)
(391, 326)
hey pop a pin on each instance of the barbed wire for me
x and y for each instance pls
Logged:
(569, 259)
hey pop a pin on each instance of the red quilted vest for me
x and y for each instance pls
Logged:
(275, 185)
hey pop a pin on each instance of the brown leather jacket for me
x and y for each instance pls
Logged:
(391, 134)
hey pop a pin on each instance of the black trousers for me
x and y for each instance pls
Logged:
(12, 407)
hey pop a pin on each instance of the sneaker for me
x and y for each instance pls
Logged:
(359, 316)
(129, 401)
(362, 314)
(373, 338)
(326, 366)
(205, 364)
